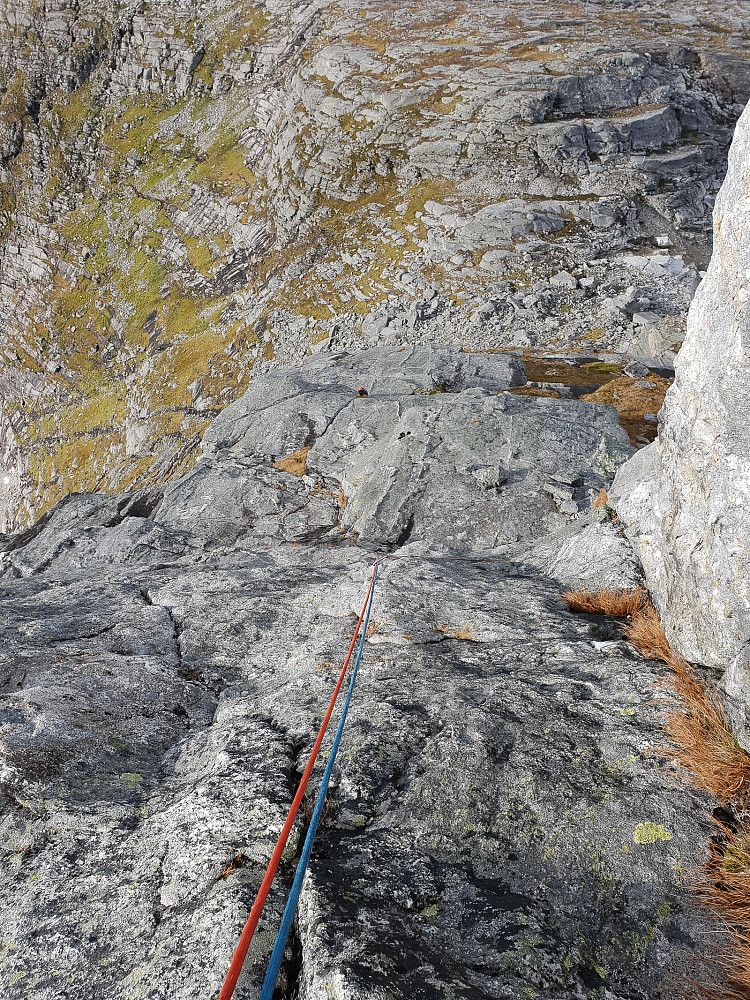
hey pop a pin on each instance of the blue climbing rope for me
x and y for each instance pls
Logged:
(277, 954)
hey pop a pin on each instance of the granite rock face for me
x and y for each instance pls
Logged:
(188, 197)
(685, 498)
(497, 824)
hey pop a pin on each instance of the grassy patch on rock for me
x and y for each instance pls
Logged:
(634, 399)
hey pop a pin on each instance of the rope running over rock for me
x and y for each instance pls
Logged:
(252, 921)
(277, 955)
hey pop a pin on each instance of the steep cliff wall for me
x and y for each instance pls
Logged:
(685, 498)
(128, 226)
(185, 194)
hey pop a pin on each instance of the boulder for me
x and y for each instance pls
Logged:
(564, 279)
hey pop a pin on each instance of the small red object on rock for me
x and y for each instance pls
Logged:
(362, 391)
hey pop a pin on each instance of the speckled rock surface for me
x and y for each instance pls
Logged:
(498, 826)
(685, 497)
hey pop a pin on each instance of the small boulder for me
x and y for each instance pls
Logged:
(564, 279)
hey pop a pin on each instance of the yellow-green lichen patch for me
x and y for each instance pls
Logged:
(222, 166)
(131, 779)
(361, 245)
(116, 315)
(7, 210)
(649, 833)
(137, 125)
(248, 29)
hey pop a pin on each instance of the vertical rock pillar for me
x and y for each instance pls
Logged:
(686, 498)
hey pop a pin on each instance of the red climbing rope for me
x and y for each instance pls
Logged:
(252, 921)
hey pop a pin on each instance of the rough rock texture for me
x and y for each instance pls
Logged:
(685, 498)
(433, 452)
(186, 191)
(498, 826)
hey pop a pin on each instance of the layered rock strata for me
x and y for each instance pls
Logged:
(183, 196)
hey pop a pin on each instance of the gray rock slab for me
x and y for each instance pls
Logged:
(496, 821)
(408, 466)
(647, 318)
(585, 556)
(291, 408)
(495, 785)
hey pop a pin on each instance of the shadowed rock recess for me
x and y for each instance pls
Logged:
(497, 825)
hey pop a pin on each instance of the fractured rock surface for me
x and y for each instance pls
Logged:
(497, 823)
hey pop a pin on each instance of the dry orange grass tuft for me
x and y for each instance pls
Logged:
(647, 635)
(703, 743)
(633, 398)
(731, 989)
(308, 808)
(704, 747)
(617, 603)
(466, 632)
(295, 464)
(238, 861)
(725, 891)
(600, 500)
(373, 628)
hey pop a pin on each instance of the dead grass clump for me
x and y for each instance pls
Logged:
(702, 741)
(737, 966)
(703, 745)
(600, 500)
(732, 989)
(295, 464)
(645, 632)
(709, 752)
(327, 814)
(725, 892)
(238, 861)
(617, 603)
(533, 390)
(465, 632)
(373, 628)
(633, 398)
